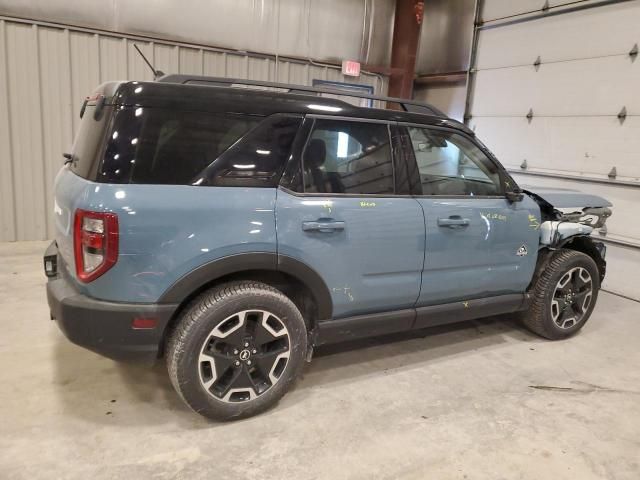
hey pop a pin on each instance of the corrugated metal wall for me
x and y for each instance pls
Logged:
(45, 73)
(329, 30)
(584, 79)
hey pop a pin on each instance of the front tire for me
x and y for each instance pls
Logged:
(236, 350)
(564, 295)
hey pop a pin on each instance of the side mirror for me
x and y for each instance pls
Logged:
(515, 196)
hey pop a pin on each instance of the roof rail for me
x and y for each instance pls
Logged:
(407, 105)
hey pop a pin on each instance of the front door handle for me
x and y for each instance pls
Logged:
(324, 226)
(454, 221)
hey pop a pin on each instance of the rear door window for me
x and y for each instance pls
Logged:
(348, 157)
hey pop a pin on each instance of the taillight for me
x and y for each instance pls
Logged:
(95, 241)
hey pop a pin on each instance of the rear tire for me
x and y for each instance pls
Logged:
(564, 295)
(236, 350)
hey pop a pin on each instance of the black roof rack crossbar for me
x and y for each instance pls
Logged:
(419, 107)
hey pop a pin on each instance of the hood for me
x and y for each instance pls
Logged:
(566, 198)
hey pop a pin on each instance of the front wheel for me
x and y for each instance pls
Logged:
(236, 350)
(564, 295)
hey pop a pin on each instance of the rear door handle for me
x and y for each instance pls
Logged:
(454, 221)
(324, 226)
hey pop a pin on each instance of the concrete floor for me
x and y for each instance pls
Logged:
(478, 400)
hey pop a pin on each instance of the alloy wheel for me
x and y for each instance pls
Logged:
(572, 298)
(244, 356)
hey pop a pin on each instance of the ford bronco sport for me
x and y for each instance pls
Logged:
(231, 230)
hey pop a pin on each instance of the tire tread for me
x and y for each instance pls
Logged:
(534, 317)
(199, 306)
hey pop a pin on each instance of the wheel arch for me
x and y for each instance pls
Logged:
(297, 280)
(594, 249)
(579, 243)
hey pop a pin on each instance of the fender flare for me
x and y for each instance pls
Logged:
(589, 246)
(243, 262)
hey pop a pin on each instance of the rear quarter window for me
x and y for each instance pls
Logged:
(258, 159)
(149, 145)
(166, 146)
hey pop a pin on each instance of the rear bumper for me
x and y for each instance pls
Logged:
(106, 327)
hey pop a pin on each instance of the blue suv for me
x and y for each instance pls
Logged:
(231, 230)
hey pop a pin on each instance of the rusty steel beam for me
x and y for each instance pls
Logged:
(382, 70)
(406, 34)
(447, 77)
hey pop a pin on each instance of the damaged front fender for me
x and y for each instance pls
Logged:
(568, 213)
(554, 233)
(573, 236)
(564, 198)
(594, 217)
(568, 219)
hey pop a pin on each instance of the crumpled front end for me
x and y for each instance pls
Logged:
(568, 213)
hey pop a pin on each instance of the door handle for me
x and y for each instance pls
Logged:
(324, 226)
(454, 221)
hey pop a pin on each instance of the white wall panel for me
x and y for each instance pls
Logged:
(588, 146)
(215, 64)
(84, 69)
(26, 130)
(496, 9)
(505, 8)
(56, 103)
(7, 205)
(45, 74)
(136, 68)
(607, 30)
(449, 98)
(596, 86)
(190, 61)
(623, 265)
(112, 51)
(166, 57)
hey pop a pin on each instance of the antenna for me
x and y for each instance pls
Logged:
(156, 73)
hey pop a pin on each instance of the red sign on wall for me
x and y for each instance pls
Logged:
(351, 68)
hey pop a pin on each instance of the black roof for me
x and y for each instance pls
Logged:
(225, 99)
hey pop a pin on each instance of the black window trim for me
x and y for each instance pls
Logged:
(501, 170)
(291, 178)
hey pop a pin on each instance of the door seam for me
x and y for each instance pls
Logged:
(424, 254)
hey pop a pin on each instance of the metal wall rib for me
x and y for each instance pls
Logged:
(46, 71)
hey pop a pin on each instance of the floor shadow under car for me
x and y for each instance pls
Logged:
(102, 391)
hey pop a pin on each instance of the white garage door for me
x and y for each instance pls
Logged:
(586, 74)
